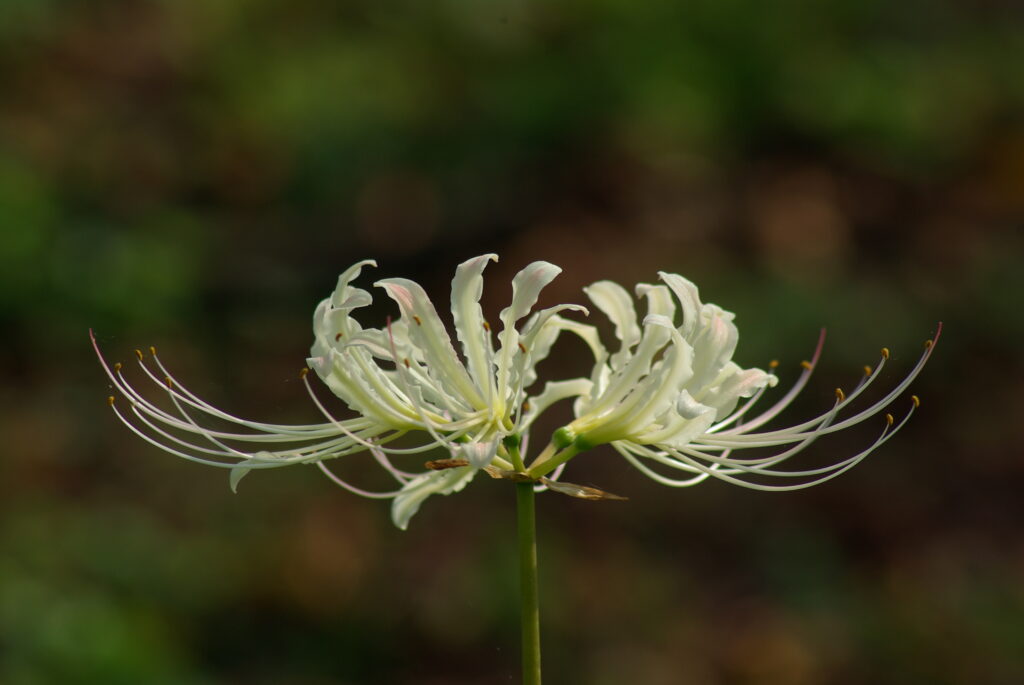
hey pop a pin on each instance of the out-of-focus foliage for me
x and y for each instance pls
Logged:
(195, 174)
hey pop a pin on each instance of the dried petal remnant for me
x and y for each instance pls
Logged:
(442, 464)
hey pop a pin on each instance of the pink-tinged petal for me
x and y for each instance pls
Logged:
(427, 331)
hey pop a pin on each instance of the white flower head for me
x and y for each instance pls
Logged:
(404, 377)
(669, 395)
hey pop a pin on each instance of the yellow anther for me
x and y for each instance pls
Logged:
(169, 382)
(807, 365)
(773, 364)
(889, 419)
(487, 327)
(152, 350)
(916, 400)
(522, 348)
(928, 343)
(526, 405)
(117, 367)
(406, 362)
(138, 353)
(885, 353)
(868, 370)
(303, 371)
(337, 337)
(417, 320)
(110, 400)
(840, 394)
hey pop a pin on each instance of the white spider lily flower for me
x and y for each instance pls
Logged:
(403, 378)
(668, 397)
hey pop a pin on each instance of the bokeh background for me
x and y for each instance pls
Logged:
(194, 175)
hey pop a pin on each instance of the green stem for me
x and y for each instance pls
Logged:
(542, 467)
(548, 452)
(528, 595)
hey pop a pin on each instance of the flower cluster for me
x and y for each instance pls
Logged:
(669, 398)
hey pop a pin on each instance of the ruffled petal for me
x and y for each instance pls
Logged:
(467, 287)
(713, 346)
(653, 339)
(539, 334)
(427, 331)
(526, 287)
(689, 300)
(614, 300)
(734, 383)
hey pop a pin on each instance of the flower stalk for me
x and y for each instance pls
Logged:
(529, 600)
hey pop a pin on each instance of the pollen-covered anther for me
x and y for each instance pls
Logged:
(337, 337)
(138, 353)
(807, 365)
(868, 370)
(885, 353)
(487, 327)
(916, 400)
(928, 344)
(152, 350)
(773, 364)
(417, 319)
(169, 381)
(840, 395)
(110, 400)
(117, 367)
(406, 362)
(889, 419)
(526, 405)
(303, 371)
(522, 348)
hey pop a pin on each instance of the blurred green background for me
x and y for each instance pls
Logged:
(195, 175)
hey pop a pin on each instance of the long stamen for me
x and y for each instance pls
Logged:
(803, 444)
(654, 475)
(323, 441)
(382, 459)
(224, 451)
(265, 432)
(177, 389)
(788, 398)
(174, 399)
(272, 433)
(353, 489)
(688, 463)
(365, 443)
(143, 408)
(773, 437)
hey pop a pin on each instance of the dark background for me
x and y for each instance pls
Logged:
(195, 175)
